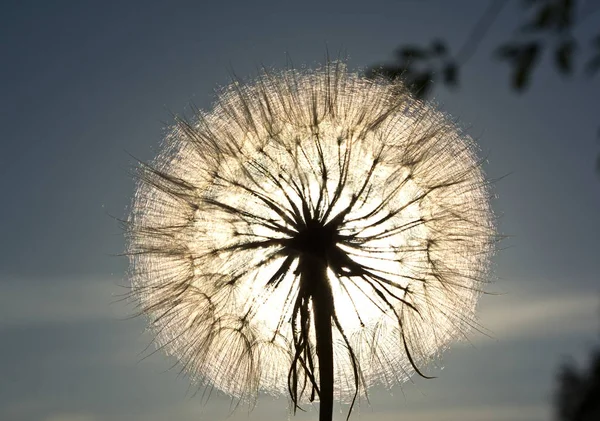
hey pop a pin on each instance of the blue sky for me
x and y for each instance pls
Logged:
(85, 84)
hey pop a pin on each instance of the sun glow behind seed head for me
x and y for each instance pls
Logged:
(398, 186)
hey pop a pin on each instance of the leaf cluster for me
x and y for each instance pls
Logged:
(548, 27)
(419, 67)
(577, 397)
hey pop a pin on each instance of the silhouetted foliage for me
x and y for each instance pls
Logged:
(417, 67)
(523, 58)
(547, 27)
(577, 397)
(550, 26)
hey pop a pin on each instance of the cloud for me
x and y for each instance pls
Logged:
(277, 410)
(70, 417)
(44, 302)
(518, 314)
(531, 315)
(485, 413)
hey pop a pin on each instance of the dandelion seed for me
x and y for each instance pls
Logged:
(315, 234)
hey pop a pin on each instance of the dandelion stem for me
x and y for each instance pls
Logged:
(314, 277)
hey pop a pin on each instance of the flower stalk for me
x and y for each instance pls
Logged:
(313, 277)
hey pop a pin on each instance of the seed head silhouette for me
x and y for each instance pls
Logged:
(314, 234)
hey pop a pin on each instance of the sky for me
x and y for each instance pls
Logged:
(87, 85)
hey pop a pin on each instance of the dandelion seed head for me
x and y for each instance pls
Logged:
(383, 188)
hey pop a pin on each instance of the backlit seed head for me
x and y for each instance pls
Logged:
(322, 164)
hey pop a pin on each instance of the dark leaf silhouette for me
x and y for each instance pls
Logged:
(577, 393)
(451, 74)
(523, 58)
(417, 67)
(419, 82)
(412, 52)
(438, 47)
(568, 391)
(389, 72)
(554, 15)
(542, 20)
(421, 85)
(564, 15)
(525, 65)
(577, 397)
(564, 56)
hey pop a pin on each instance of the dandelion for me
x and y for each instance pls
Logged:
(315, 234)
